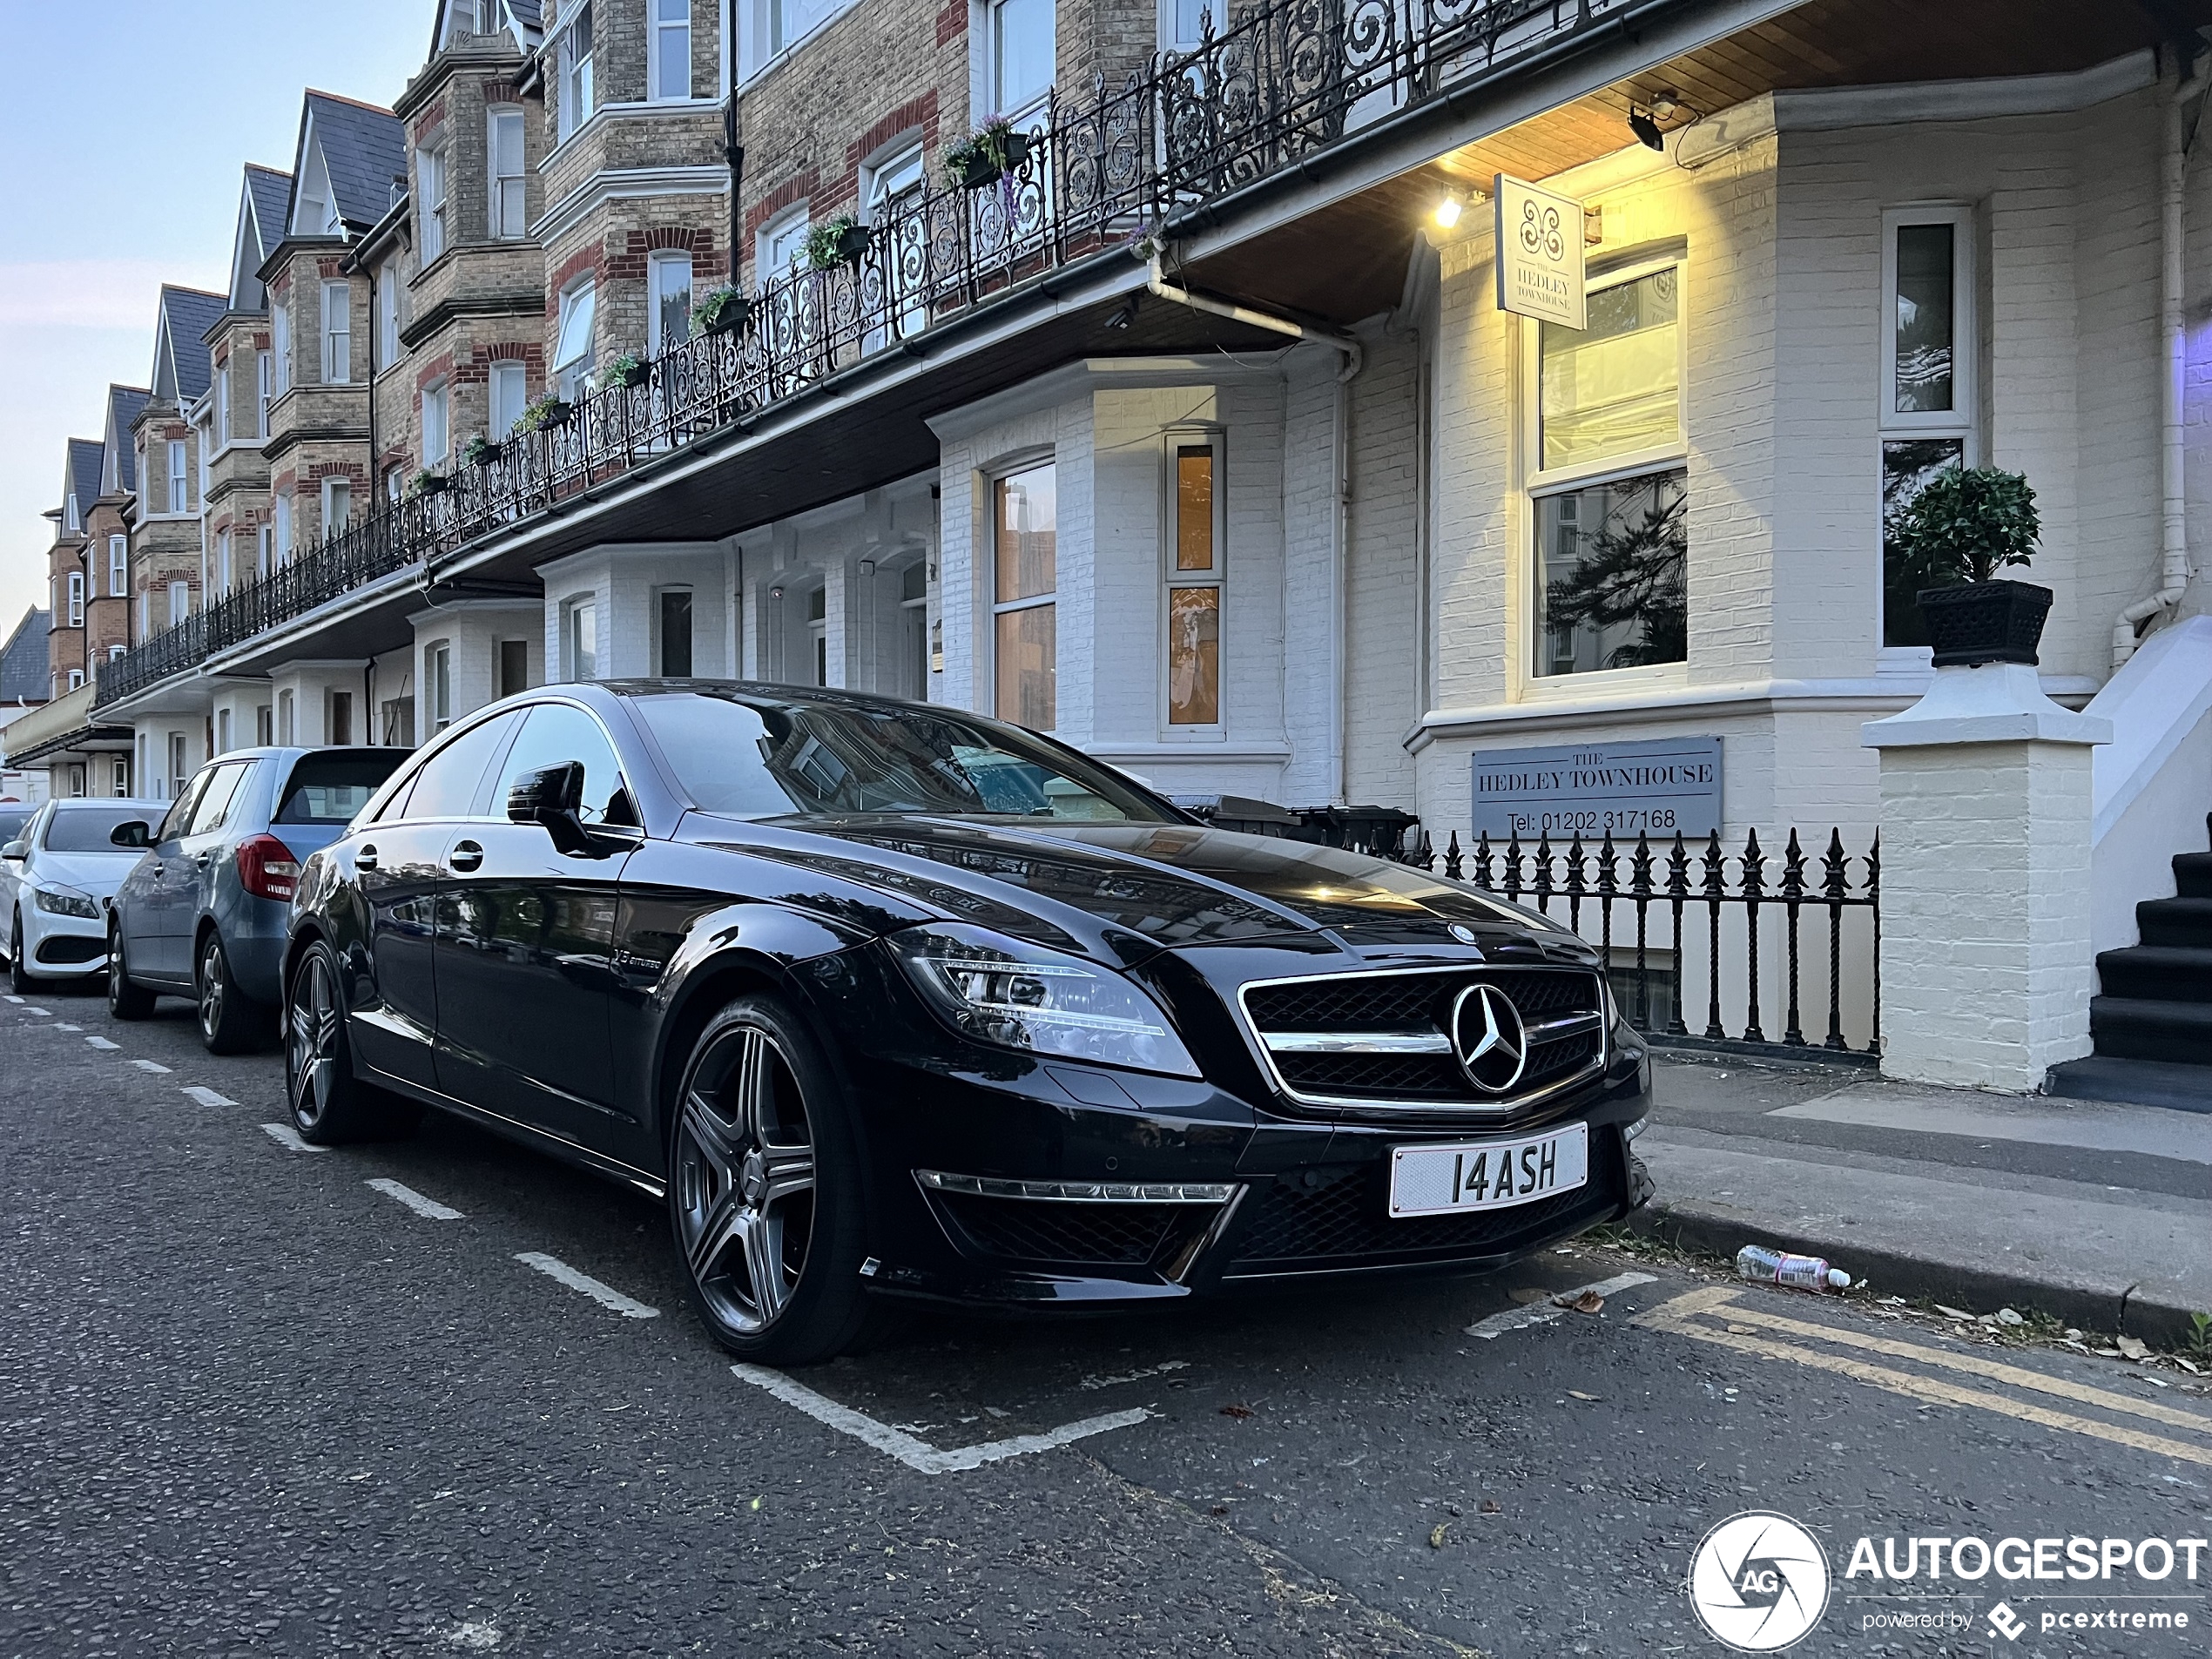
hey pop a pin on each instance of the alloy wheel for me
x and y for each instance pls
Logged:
(311, 1037)
(211, 989)
(744, 1169)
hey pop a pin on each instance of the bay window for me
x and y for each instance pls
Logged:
(573, 58)
(430, 212)
(1024, 624)
(668, 50)
(504, 150)
(179, 497)
(337, 333)
(1194, 584)
(1928, 379)
(1610, 492)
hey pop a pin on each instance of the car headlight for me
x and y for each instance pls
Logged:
(60, 902)
(1012, 995)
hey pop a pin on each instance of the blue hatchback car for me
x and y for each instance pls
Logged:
(203, 913)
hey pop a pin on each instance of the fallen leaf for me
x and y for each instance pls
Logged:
(2185, 1366)
(1239, 1411)
(1576, 1394)
(1587, 1302)
(2132, 1347)
(1490, 1507)
(1436, 1536)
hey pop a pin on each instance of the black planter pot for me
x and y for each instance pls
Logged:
(852, 244)
(632, 376)
(974, 171)
(1985, 621)
(727, 317)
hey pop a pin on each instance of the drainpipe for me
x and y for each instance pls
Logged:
(2174, 541)
(1340, 547)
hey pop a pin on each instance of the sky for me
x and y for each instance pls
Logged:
(125, 153)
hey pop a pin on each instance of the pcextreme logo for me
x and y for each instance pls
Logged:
(1759, 1581)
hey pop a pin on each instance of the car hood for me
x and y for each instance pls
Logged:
(97, 873)
(1170, 884)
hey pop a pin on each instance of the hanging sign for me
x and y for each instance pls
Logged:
(1662, 789)
(1540, 253)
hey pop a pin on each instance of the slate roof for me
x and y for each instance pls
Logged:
(364, 148)
(23, 660)
(271, 194)
(84, 475)
(526, 12)
(123, 403)
(188, 313)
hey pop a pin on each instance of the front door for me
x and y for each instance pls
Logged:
(526, 946)
(160, 943)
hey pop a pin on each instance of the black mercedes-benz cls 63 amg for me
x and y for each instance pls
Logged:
(894, 1002)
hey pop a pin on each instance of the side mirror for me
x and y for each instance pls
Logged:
(136, 833)
(15, 852)
(552, 797)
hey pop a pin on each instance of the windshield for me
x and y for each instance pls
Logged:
(758, 756)
(86, 829)
(12, 818)
(331, 788)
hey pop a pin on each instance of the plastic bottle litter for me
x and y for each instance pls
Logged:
(1764, 1266)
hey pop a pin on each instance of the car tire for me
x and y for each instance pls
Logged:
(230, 1022)
(764, 1191)
(19, 974)
(126, 999)
(329, 1104)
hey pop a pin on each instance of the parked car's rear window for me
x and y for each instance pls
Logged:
(11, 823)
(331, 788)
(86, 829)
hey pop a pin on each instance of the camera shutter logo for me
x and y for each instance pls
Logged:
(1487, 1036)
(1759, 1581)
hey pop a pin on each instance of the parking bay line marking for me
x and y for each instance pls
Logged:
(207, 1097)
(918, 1454)
(605, 1295)
(285, 1136)
(428, 1209)
(1546, 1311)
(1677, 1318)
(151, 1065)
(101, 1042)
(30, 1008)
(61, 1025)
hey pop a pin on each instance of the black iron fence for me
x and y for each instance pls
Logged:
(1282, 80)
(1702, 907)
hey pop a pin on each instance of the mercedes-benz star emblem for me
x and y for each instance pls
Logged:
(1488, 1038)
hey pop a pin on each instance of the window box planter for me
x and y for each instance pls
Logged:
(624, 371)
(725, 311)
(844, 240)
(432, 483)
(987, 155)
(1975, 622)
(545, 414)
(480, 452)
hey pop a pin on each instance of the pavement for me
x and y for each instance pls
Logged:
(2098, 1213)
(441, 1396)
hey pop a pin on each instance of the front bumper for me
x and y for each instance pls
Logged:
(62, 946)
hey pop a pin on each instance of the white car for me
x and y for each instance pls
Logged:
(61, 877)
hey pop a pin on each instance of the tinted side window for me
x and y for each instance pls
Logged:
(181, 814)
(555, 732)
(331, 788)
(11, 824)
(451, 782)
(215, 799)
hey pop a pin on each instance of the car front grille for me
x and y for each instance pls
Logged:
(1026, 1230)
(64, 950)
(1384, 1039)
(1343, 1220)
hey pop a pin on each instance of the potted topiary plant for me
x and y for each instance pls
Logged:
(1963, 527)
(722, 310)
(480, 452)
(841, 241)
(988, 154)
(625, 370)
(430, 484)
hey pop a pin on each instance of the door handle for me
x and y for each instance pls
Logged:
(204, 859)
(366, 858)
(466, 856)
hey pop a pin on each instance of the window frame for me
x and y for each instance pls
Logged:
(501, 372)
(1021, 114)
(177, 476)
(436, 397)
(388, 312)
(332, 520)
(1174, 440)
(119, 567)
(280, 347)
(264, 390)
(655, 27)
(786, 229)
(656, 264)
(572, 375)
(496, 225)
(1964, 323)
(1539, 482)
(575, 98)
(994, 479)
(434, 202)
(180, 603)
(437, 683)
(572, 610)
(337, 340)
(74, 590)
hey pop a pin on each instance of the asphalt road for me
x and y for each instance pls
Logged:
(251, 1401)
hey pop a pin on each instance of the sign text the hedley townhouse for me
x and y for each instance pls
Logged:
(1665, 788)
(1540, 253)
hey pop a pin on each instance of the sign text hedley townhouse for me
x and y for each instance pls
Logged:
(1662, 788)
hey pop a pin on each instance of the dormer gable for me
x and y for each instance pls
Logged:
(347, 156)
(460, 20)
(80, 483)
(262, 206)
(314, 207)
(118, 459)
(181, 360)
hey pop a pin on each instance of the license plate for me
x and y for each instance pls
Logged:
(1488, 1175)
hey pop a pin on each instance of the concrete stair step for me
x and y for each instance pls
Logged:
(2157, 972)
(2138, 1029)
(2141, 1083)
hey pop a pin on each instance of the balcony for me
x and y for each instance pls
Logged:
(1288, 81)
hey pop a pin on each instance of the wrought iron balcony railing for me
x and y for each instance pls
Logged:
(1287, 78)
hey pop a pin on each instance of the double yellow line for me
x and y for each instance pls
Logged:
(1742, 1329)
